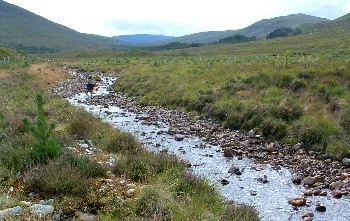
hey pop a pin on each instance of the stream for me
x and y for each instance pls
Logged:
(269, 197)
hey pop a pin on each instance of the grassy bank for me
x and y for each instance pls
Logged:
(34, 159)
(290, 89)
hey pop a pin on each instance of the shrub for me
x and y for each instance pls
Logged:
(89, 168)
(313, 131)
(253, 117)
(242, 212)
(12, 157)
(233, 121)
(272, 128)
(152, 204)
(338, 150)
(57, 178)
(289, 111)
(81, 127)
(345, 121)
(143, 166)
(45, 145)
(297, 85)
(121, 142)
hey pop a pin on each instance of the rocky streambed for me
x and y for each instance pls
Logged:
(283, 182)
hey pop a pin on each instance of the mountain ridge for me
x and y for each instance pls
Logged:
(24, 30)
(22, 27)
(142, 37)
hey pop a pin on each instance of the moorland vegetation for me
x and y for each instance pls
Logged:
(38, 131)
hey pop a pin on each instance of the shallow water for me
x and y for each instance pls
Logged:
(270, 199)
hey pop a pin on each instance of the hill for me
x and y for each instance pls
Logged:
(142, 37)
(21, 29)
(259, 29)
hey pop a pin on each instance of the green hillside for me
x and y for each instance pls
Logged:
(259, 29)
(22, 29)
(294, 89)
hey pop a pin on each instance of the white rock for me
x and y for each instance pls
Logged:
(41, 210)
(11, 211)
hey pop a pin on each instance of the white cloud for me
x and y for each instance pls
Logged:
(110, 17)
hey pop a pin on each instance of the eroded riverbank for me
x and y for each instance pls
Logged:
(245, 167)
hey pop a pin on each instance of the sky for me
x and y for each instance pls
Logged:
(173, 17)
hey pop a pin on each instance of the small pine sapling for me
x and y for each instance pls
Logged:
(45, 145)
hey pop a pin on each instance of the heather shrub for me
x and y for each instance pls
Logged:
(81, 126)
(313, 131)
(152, 204)
(345, 121)
(122, 142)
(273, 128)
(57, 178)
(241, 212)
(89, 168)
(144, 166)
(338, 150)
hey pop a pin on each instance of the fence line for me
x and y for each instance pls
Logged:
(16, 58)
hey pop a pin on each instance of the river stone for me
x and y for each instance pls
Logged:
(320, 208)
(179, 137)
(297, 201)
(346, 162)
(337, 193)
(307, 213)
(297, 180)
(11, 211)
(224, 182)
(336, 185)
(235, 170)
(308, 192)
(87, 217)
(229, 152)
(309, 181)
(41, 210)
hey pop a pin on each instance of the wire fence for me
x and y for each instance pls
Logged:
(18, 58)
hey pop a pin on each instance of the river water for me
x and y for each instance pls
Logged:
(269, 198)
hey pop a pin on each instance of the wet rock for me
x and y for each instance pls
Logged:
(307, 213)
(297, 201)
(320, 208)
(229, 153)
(253, 193)
(297, 180)
(224, 182)
(337, 193)
(317, 192)
(179, 137)
(309, 181)
(41, 210)
(263, 179)
(346, 162)
(308, 192)
(336, 185)
(235, 170)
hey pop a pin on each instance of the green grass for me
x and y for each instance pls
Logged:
(270, 86)
(72, 180)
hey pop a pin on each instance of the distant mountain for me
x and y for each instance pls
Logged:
(259, 29)
(142, 37)
(339, 24)
(25, 30)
